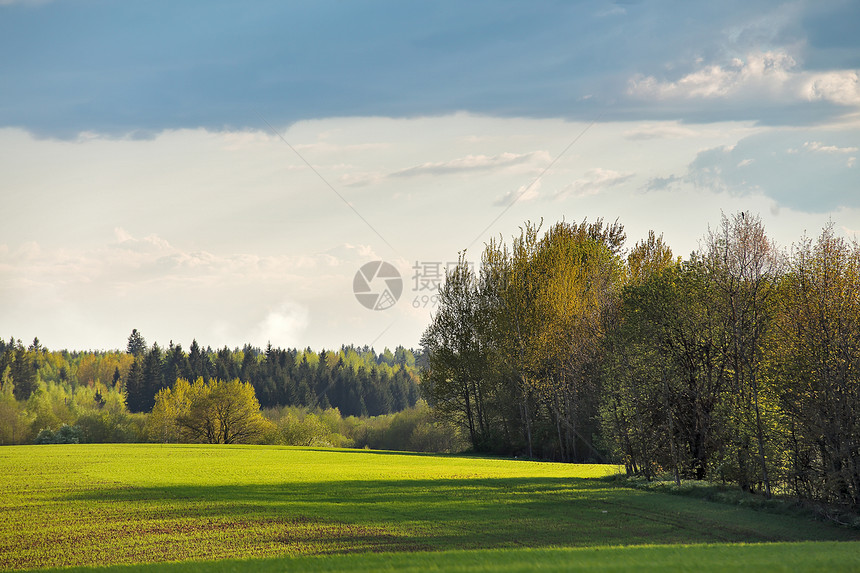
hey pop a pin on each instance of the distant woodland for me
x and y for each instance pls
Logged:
(345, 397)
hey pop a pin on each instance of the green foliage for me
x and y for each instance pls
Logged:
(15, 427)
(414, 429)
(510, 350)
(213, 412)
(297, 427)
(65, 435)
(739, 364)
(136, 344)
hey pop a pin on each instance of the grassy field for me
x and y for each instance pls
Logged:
(87, 505)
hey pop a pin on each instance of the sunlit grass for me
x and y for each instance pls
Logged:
(773, 557)
(111, 504)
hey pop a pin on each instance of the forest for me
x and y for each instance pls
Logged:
(348, 397)
(739, 364)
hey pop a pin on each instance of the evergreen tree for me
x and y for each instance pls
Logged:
(135, 388)
(199, 364)
(153, 378)
(176, 365)
(136, 344)
(23, 371)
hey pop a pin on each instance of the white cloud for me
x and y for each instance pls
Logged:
(350, 254)
(761, 71)
(175, 293)
(774, 75)
(361, 178)
(284, 326)
(594, 181)
(502, 162)
(473, 163)
(524, 194)
(660, 131)
(820, 147)
(207, 235)
(840, 87)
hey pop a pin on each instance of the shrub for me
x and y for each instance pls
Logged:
(65, 435)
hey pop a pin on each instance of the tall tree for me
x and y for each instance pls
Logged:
(135, 388)
(818, 369)
(199, 364)
(453, 381)
(136, 344)
(153, 377)
(23, 371)
(744, 267)
(637, 420)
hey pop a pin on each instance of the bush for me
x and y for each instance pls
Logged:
(295, 427)
(413, 429)
(65, 435)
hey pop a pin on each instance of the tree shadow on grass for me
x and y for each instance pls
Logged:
(459, 513)
(125, 524)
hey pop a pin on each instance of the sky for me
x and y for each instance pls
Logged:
(234, 172)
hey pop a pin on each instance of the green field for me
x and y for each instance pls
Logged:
(348, 510)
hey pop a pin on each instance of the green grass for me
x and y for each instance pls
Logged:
(786, 557)
(86, 505)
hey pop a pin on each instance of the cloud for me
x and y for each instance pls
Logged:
(150, 243)
(284, 325)
(350, 255)
(524, 194)
(295, 62)
(773, 76)
(471, 163)
(461, 165)
(660, 131)
(760, 72)
(812, 176)
(817, 146)
(594, 181)
(839, 87)
(172, 292)
(662, 183)
(141, 264)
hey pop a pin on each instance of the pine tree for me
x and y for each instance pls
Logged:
(136, 344)
(153, 379)
(135, 388)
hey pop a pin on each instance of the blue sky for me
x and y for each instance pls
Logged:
(146, 187)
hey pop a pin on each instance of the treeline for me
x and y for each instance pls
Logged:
(209, 412)
(357, 381)
(739, 364)
(51, 396)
